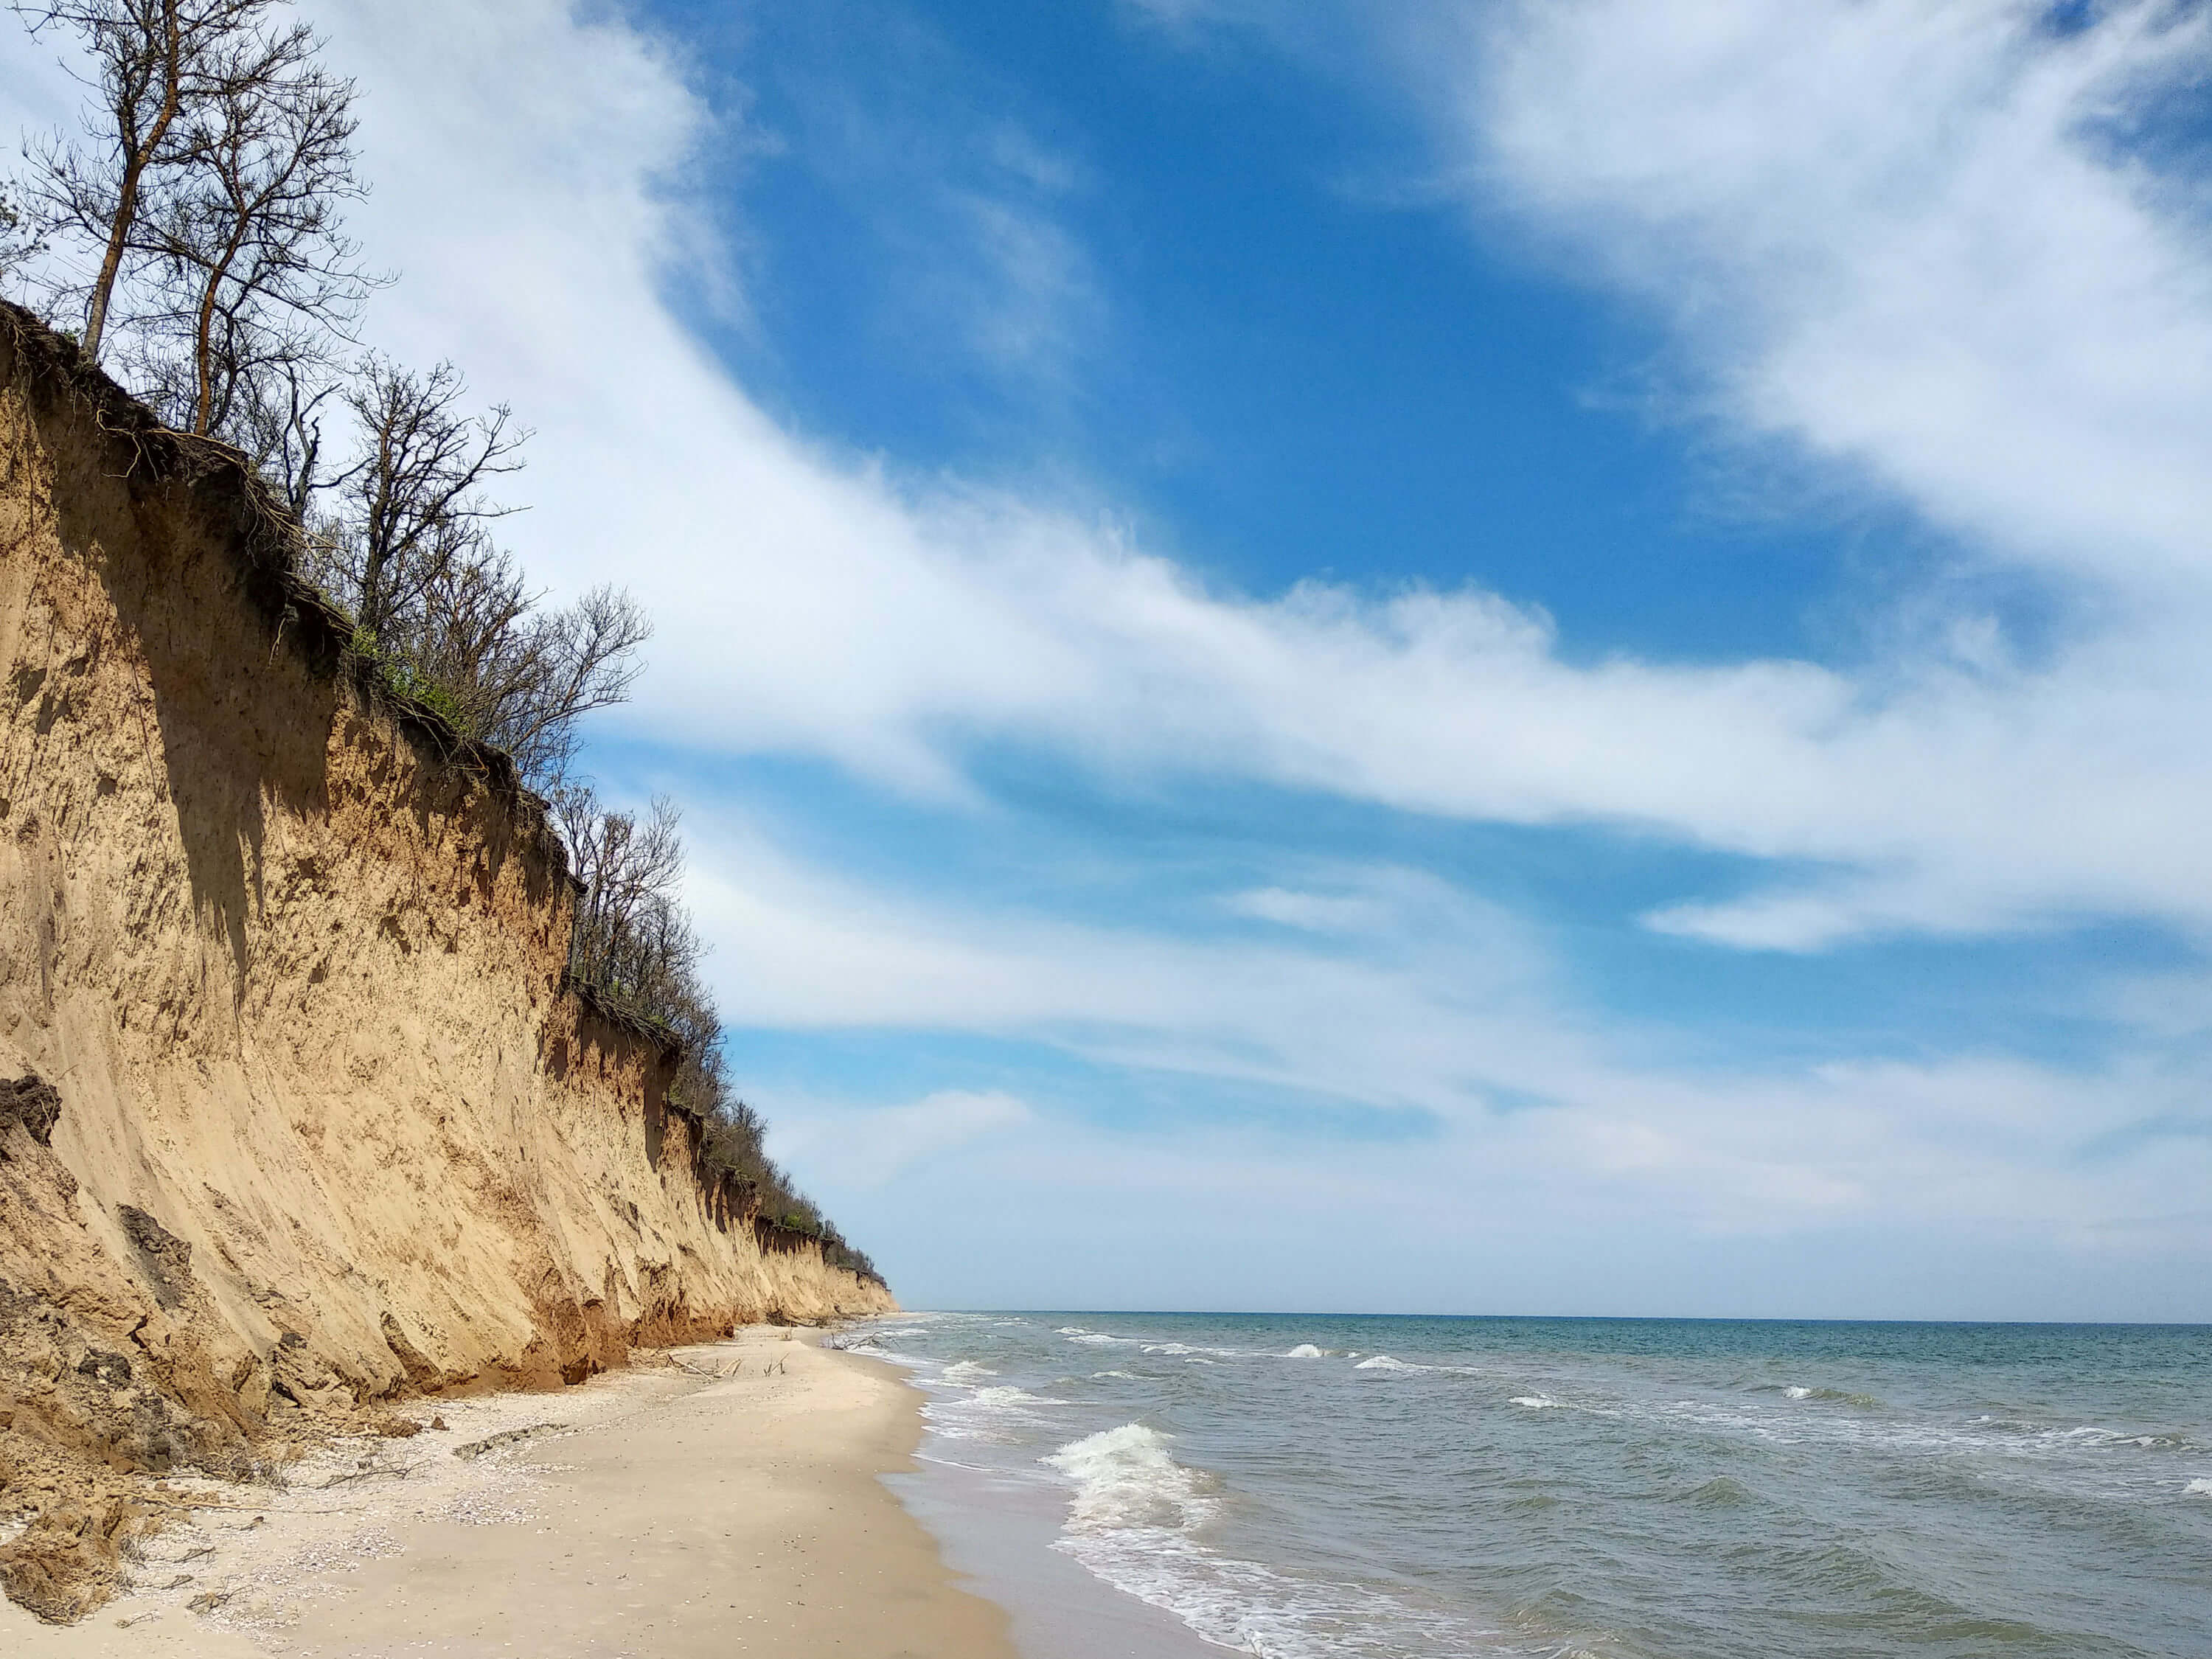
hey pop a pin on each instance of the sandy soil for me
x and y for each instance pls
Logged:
(726, 1504)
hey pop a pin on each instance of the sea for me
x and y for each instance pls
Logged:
(1174, 1486)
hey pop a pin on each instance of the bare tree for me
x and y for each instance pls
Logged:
(409, 549)
(563, 666)
(255, 276)
(412, 502)
(154, 61)
(517, 676)
(631, 873)
(277, 420)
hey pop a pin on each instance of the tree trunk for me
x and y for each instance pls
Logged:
(134, 172)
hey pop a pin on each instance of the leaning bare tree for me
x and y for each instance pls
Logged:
(153, 63)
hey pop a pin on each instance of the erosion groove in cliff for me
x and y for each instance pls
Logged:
(298, 1115)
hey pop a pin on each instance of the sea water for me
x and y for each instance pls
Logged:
(1402, 1488)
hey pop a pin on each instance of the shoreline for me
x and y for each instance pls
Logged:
(728, 1501)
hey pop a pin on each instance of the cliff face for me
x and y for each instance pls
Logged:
(304, 1119)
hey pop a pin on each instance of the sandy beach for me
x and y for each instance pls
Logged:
(727, 1503)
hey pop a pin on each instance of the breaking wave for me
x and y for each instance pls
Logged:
(1126, 1477)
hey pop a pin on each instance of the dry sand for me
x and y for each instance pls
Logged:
(726, 1504)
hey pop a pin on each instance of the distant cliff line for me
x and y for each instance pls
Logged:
(300, 1112)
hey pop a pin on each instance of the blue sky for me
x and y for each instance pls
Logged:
(1458, 657)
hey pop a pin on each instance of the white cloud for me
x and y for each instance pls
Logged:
(1453, 1012)
(1319, 913)
(1896, 235)
(1451, 1005)
(867, 1148)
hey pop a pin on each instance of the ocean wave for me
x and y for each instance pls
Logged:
(1127, 1376)
(1127, 1478)
(1306, 1350)
(1721, 1492)
(2198, 1488)
(1534, 1402)
(1383, 1362)
(966, 1371)
(1838, 1396)
(997, 1415)
(1002, 1396)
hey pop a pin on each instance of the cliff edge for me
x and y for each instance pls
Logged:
(297, 1115)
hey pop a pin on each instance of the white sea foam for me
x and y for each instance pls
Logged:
(1002, 1397)
(1248, 1609)
(1127, 1478)
(1304, 1351)
(997, 1415)
(966, 1371)
(1534, 1402)
(2198, 1489)
(1127, 1376)
(1383, 1362)
(1797, 1393)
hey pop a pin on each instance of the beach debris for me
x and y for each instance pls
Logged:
(475, 1449)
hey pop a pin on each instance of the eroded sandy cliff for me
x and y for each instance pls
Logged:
(295, 1116)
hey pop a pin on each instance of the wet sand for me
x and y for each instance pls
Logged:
(727, 1504)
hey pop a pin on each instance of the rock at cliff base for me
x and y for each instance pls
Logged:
(66, 1562)
(32, 1102)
